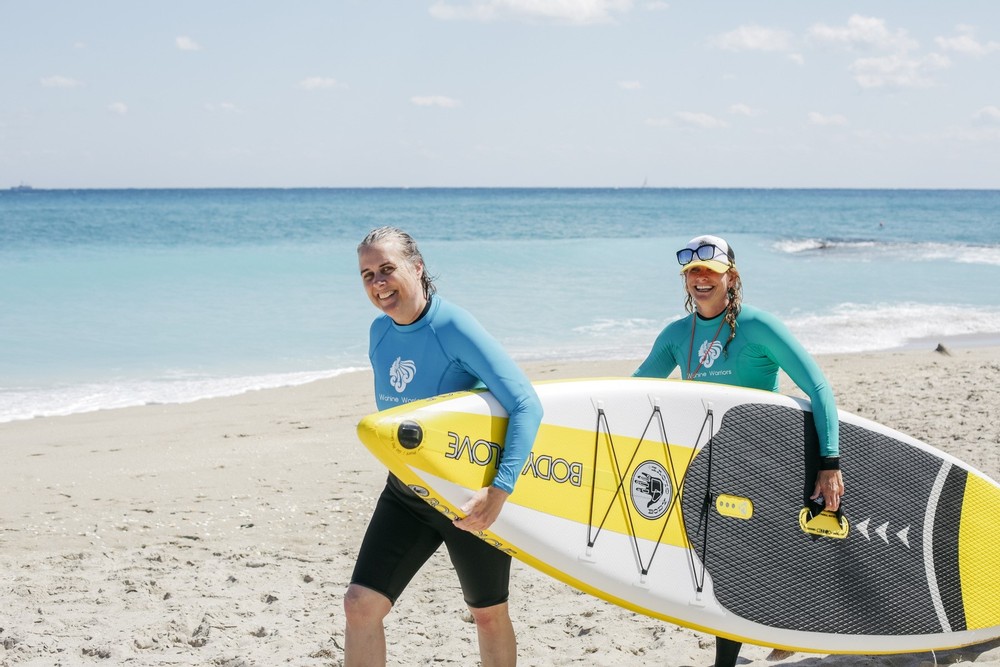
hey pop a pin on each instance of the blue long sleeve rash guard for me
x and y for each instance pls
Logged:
(448, 350)
(762, 346)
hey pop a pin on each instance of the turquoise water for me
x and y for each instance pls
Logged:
(111, 298)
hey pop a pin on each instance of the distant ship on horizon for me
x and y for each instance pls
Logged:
(22, 187)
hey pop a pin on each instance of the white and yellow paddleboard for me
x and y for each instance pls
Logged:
(687, 502)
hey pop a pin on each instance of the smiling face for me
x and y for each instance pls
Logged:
(392, 282)
(709, 290)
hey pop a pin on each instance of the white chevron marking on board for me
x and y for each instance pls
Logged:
(902, 535)
(882, 530)
(863, 527)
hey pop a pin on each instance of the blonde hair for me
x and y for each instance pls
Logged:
(735, 295)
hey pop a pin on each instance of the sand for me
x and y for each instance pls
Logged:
(223, 532)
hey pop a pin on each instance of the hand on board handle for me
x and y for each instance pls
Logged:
(830, 487)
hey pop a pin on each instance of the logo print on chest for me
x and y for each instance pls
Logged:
(709, 352)
(401, 373)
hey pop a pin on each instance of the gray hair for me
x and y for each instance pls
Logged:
(411, 253)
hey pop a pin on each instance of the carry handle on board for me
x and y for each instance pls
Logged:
(815, 520)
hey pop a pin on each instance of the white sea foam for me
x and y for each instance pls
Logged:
(914, 252)
(853, 327)
(27, 403)
(793, 246)
(844, 328)
(961, 254)
(615, 327)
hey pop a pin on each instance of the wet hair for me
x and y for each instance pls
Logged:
(735, 295)
(411, 253)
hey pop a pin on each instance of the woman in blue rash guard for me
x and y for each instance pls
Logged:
(422, 346)
(728, 342)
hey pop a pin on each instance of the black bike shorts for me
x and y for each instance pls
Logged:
(404, 532)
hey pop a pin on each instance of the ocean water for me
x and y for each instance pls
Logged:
(115, 298)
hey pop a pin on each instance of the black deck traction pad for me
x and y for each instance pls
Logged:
(768, 570)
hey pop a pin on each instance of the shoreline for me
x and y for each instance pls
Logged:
(283, 380)
(223, 531)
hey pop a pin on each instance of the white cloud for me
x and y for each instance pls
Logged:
(317, 83)
(987, 116)
(629, 85)
(689, 119)
(559, 11)
(223, 107)
(118, 108)
(744, 110)
(864, 31)
(57, 81)
(966, 43)
(656, 6)
(797, 58)
(974, 135)
(187, 44)
(435, 101)
(898, 71)
(699, 119)
(817, 118)
(753, 38)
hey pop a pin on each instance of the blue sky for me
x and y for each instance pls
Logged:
(534, 93)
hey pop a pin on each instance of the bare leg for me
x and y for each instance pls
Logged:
(364, 636)
(497, 643)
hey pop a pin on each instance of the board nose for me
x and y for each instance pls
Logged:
(379, 432)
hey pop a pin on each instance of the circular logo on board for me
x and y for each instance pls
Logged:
(651, 490)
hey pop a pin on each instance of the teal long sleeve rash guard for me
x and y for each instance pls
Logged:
(762, 346)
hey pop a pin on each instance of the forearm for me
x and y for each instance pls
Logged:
(522, 427)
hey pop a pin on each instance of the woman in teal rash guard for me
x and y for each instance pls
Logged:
(728, 342)
(422, 346)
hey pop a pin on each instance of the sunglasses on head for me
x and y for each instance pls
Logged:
(702, 252)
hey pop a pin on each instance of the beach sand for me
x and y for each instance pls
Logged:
(223, 532)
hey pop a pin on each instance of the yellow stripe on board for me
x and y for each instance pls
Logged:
(636, 484)
(978, 555)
